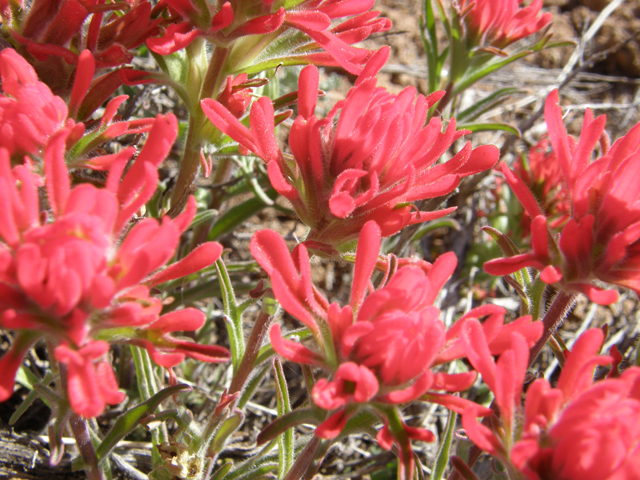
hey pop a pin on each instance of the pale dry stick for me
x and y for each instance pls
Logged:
(587, 37)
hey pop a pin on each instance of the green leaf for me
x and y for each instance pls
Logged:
(238, 214)
(507, 246)
(221, 472)
(233, 316)
(313, 416)
(445, 449)
(262, 472)
(472, 75)
(30, 398)
(26, 377)
(486, 104)
(285, 443)
(228, 427)
(490, 127)
(537, 296)
(202, 218)
(430, 42)
(252, 464)
(132, 418)
(254, 382)
(55, 429)
(434, 225)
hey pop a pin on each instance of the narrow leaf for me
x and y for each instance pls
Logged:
(490, 127)
(285, 443)
(445, 449)
(486, 104)
(233, 316)
(281, 424)
(238, 214)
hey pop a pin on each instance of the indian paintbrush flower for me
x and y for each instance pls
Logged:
(80, 275)
(601, 239)
(499, 23)
(368, 160)
(379, 349)
(578, 430)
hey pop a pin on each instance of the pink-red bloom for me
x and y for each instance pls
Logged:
(601, 240)
(380, 348)
(499, 23)
(368, 160)
(305, 33)
(70, 276)
(579, 430)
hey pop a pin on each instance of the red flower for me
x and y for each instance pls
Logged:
(499, 23)
(74, 278)
(51, 32)
(601, 240)
(543, 176)
(30, 114)
(91, 384)
(368, 160)
(380, 348)
(578, 430)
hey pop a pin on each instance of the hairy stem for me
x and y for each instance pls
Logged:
(553, 318)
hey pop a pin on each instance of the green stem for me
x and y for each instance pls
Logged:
(185, 184)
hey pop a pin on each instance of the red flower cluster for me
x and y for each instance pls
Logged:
(381, 348)
(68, 275)
(52, 31)
(578, 430)
(368, 160)
(499, 23)
(312, 18)
(601, 240)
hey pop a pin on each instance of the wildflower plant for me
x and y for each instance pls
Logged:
(136, 290)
